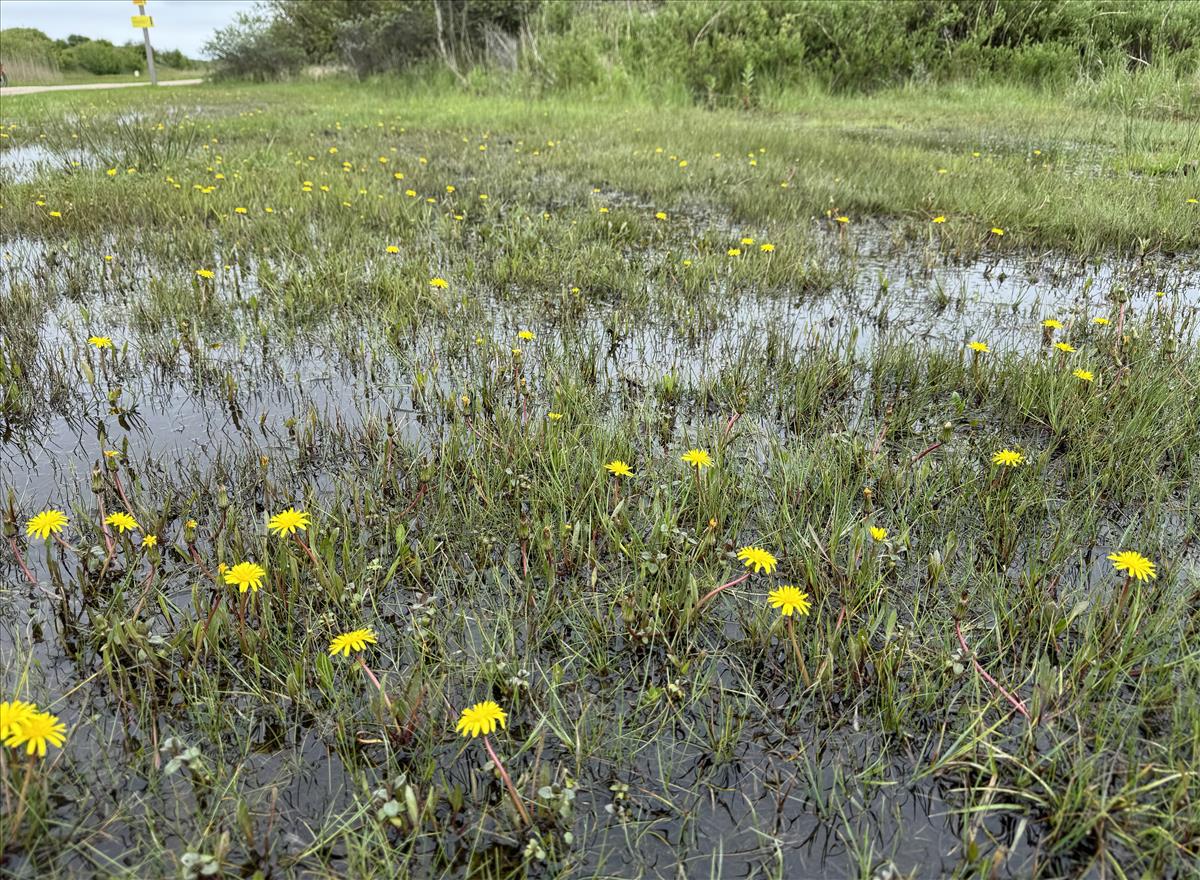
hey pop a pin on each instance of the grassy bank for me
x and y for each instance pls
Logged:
(437, 324)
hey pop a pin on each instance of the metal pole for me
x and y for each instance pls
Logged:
(149, 51)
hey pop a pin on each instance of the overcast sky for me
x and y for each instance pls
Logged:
(178, 24)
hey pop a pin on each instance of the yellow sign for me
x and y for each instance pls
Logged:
(142, 21)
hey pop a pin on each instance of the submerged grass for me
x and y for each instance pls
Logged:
(439, 379)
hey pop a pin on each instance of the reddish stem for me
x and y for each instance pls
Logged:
(1016, 703)
(724, 586)
(21, 561)
(512, 789)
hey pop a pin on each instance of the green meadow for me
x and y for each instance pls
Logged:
(921, 600)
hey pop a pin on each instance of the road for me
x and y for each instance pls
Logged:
(30, 90)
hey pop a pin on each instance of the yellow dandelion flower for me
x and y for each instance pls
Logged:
(1008, 458)
(879, 534)
(1134, 564)
(1084, 375)
(13, 715)
(734, 252)
(100, 342)
(698, 458)
(790, 600)
(766, 247)
(245, 575)
(1065, 347)
(554, 416)
(481, 719)
(122, 521)
(45, 524)
(34, 731)
(758, 559)
(980, 347)
(940, 218)
(240, 211)
(393, 249)
(618, 468)
(1103, 322)
(288, 521)
(205, 273)
(996, 230)
(527, 335)
(439, 282)
(150, 541)
(1052, 324)
(356, 640)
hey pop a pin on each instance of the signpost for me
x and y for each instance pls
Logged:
(145, 22)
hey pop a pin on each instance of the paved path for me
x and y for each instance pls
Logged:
(29, 90)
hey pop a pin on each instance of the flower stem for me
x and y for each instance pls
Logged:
(799, 657)
(724, 586)
(512, 790)
(1017, 704)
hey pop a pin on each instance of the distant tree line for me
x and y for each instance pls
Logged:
(718, 50)
(81, 53)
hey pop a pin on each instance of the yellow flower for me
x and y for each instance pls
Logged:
(1065, 347)
(287, 522)
(618, 468)
(123, 521)
(481, 719)
(698, 458)
(766, 247)
(747, 241)
(150, 541)
(734, 252)
(13, 715)
(758, 559)
(1084, 375)
(842, 220)
(245, 575)
(205, 273)
(1134, 563)
(939, 219)
(879, 534)
(1052, 324)
(527, 335)
(1103, 322)
(1008, 458)
(355, 640)
(35, 730)
(239, 210)
(100, 342)
(661, 215)
(978, 346)
(996, 230)
(56, 213)
(788, 600)
(46, 523)
(411, 193)
(554, 416)
(439, 282)
(393, 249)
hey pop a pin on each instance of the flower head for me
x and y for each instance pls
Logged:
(661, 215)
(150, 541)
(46, 523)
(788, 600)
(245, 575)
(1052, 324)
(100, 342)
(527, 335)
(205, 273)
(288, 521)
(758, 559)
(1083, 375)
(1134, 563)
(34, 731)
(481, 719)
(13, 715)
(996, 230)
(766, 247)
(1066, 347)
(940, 218)
(878, 533)
(554, 416)
(1103, 322)
(980, 347)
(1008, 458)
(439, 282)
(393, 249)
(356, 640)
(123, 521)
(618, 468)
(698, 458)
